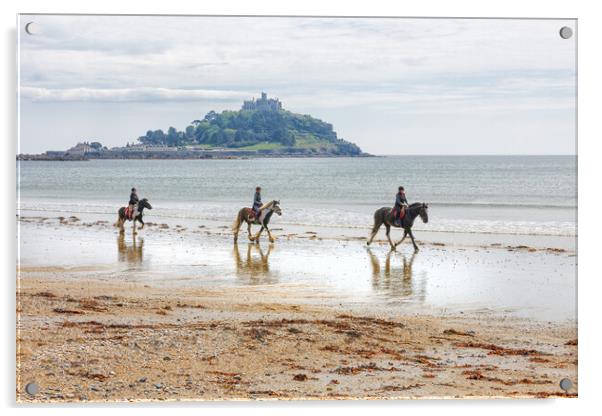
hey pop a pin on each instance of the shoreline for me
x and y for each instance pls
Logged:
(187, 155)
(341, 270)
(482, 239)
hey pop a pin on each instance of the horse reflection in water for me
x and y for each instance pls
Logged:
(254, 269)
(397, 281)
(130, 253)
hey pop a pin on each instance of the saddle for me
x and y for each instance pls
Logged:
(128, 213)
(396, 212)
(251, 215)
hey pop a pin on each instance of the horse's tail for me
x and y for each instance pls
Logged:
(237, 221)
(120, 216)
(379, 219)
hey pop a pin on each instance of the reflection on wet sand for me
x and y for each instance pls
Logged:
(254, 269)
(130, 253)
(397, 282)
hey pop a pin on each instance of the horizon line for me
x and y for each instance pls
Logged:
(478, 154)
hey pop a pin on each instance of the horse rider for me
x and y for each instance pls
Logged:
(400, 205)
(133, 203)
(257, 204)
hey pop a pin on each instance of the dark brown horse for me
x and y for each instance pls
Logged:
(384, 215)
(143, 203)
(247, 215)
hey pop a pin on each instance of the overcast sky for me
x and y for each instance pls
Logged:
(392, 86)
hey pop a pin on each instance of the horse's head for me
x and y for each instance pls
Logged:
(424, 212)
(144, 203)
(276, 207)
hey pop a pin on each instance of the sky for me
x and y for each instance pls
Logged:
(392, 86)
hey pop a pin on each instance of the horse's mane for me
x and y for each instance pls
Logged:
(268, 204)
(415, 204)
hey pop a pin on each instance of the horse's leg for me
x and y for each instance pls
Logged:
(375, 229)
(256, 238)
(120, 224)
(134, 226)
(405, 234)
(251, 238)
(389, 236)
(141, 222)
(270, 236)
(236, 226)
(413, 242)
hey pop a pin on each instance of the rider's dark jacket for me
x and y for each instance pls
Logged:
(133, 198)
(257, 202)
(400, 199)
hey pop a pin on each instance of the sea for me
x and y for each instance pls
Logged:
(501, 235)
(518, 195)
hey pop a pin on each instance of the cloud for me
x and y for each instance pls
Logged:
(333, 68)
(129, 94)
(232, 53)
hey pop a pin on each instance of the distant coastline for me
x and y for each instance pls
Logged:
(177, 154)
(261, 128)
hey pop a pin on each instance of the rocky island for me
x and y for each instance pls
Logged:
(261, 128)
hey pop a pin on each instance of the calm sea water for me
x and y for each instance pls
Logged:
(481, 194)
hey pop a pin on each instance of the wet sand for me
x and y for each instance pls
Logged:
(110, 319)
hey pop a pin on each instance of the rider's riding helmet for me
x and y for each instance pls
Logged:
(400, 189)
(258, 188)
(133, 189)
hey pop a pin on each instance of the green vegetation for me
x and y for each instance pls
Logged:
(260, 125)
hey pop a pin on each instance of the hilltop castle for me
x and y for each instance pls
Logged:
(263, 103)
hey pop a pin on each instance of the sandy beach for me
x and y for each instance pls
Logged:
(104, 317)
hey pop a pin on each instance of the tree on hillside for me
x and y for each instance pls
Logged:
(189, 133)
(154, 138)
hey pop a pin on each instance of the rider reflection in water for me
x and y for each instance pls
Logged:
(130, 253)
(397, 281)
(253, 269)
